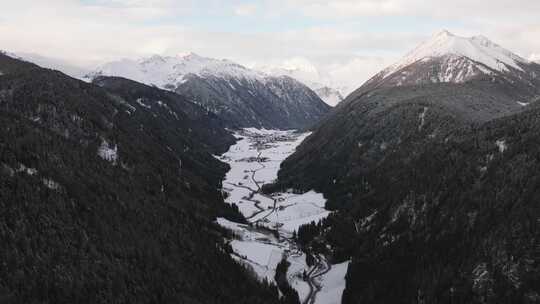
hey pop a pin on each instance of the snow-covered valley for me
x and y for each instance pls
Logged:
(268, 238)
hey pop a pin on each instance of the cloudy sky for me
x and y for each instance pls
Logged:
(345, 40)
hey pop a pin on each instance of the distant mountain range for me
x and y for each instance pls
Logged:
(432, 166)
(310, 76)
(241, 96)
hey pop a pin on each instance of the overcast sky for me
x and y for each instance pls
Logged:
(346, 40)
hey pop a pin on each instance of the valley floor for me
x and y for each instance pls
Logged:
(268, 238)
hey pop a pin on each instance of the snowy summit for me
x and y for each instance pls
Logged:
(450, 58)
(165, 71)
(477, 48)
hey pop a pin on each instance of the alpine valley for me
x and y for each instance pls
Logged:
(187, 179)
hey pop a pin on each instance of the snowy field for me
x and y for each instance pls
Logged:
(255, 160)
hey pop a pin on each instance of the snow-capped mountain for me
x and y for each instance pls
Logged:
(242, 96)
(460, 116)
(310, 76)
(454, 59)
(169, 71)
(330, 95)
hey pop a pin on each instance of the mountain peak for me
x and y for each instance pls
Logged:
(188, 55)
(444, 34)
(477, 48)
(164, 71)
(459, 58)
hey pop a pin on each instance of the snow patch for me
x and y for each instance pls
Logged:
(333, 284)
(29, 171)
(501, 144)
(142, 104)
(422, 117)
(51, 184)
(523, 104)
(108, 152)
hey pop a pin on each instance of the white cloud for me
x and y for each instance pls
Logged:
(355, 72)
(463, 9)
(246, 10)
(330, 41)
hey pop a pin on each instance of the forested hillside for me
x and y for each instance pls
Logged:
(451, 218)
(432, 168)
(110, 195)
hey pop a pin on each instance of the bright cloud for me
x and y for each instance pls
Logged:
(345, 41)
(246, 10)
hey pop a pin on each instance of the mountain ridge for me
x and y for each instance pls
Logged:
(241, 96)
(446, 57)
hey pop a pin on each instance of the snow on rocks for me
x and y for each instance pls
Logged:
(448, 58)
(164, 71)
(478, 49)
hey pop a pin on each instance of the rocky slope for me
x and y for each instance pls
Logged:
(108, 194)
(433, 204)
(240, 96)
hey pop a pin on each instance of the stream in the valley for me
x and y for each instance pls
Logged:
(255, 160)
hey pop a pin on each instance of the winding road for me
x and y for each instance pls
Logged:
(315, 272)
